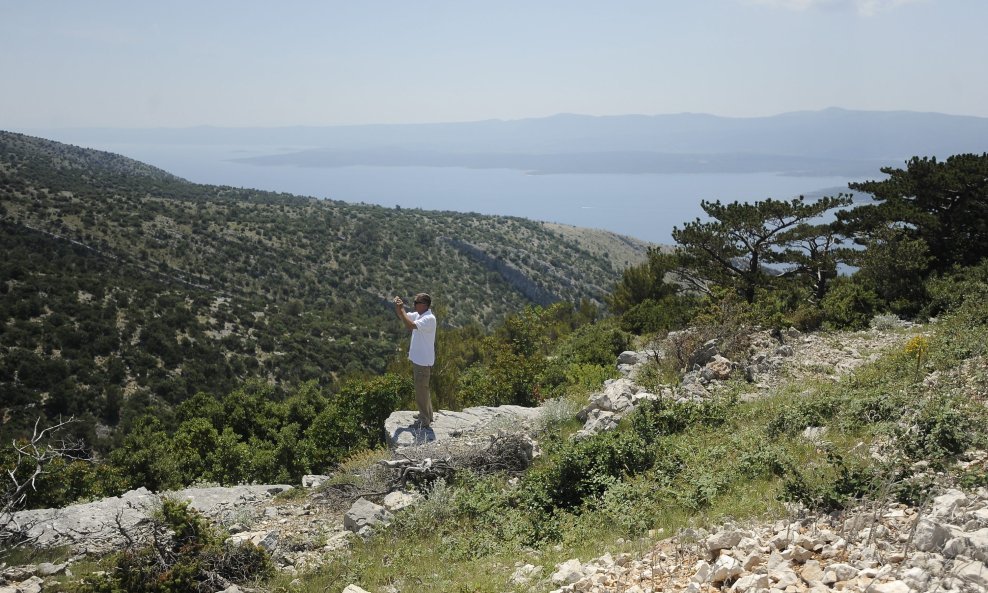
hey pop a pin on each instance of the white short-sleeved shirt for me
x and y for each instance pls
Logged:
(422, 351)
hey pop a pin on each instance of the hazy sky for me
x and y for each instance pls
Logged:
(251, 63)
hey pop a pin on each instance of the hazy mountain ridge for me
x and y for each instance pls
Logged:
(831, 141)
(121, 274)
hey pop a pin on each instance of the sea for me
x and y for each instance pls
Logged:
(644, 206)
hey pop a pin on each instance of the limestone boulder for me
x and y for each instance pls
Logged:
(568, 572)
(265, 539)
(401, 428)
(930, 535)
(313, 480)
(395, 501)
(365, 516)
(718, 369)
(703, 355)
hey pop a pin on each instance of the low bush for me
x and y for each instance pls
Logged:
(849, 305)
(354, 418)
(661, 417)
(594, 343)
(766, 461)
(505, 377)
(830, 484)
(940, 427)
(185, 555)
(629, 506)
(559, 378)
(665, 314)
(960, 333)
(658, 373)
(949, 291)
(807, 318)
(585, 469)
(885, 322)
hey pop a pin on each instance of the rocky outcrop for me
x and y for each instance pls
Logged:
(630, 361)
(34, 584)
(110, 524)
(772, 357)
(606, 408)
(518, 280)
(401, 429)
(890, 549)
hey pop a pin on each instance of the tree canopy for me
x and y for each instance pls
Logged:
(737, 247)
(942, 203)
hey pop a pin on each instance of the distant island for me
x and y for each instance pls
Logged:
(833, 141)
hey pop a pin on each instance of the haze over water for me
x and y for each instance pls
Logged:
(645, 206)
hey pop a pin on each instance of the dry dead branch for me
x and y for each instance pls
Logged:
(510, 453)
(32, 458)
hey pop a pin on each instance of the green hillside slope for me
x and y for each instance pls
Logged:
(122, 282)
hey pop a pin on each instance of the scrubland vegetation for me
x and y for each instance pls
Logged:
(895, 427)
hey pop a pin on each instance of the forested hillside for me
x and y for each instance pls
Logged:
(193, 340)
(122, 285)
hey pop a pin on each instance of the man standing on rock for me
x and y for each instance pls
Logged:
(422, 351)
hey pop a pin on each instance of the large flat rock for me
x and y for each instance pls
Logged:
(402, 430)
(106, 525)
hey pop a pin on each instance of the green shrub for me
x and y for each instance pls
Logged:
(960, 333)
(555, 414)
(831, 485)
(594, 343)
(232, 460)
(894, 264)
(195, 442)
(724, 310)
(849, 305)
(658, 373)
(910, 487)
(771, 459)
(702, 488)
(579, 378)
(807, 318)
(67, 481)
(505, 377)
(145, 457)
(948, 291)
(629, 505)
(432, 513)
(585, 469)
(666, 314)
(660, 417)
(942, 426)
(776, 304)
(870, 410)
(354, 419)
(886, 322)
(974, 477)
